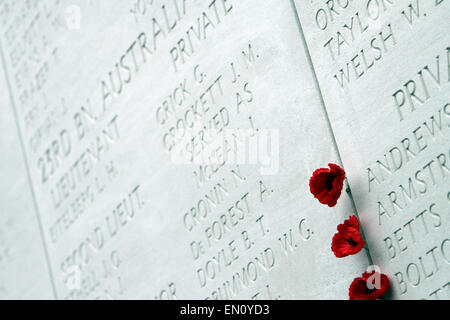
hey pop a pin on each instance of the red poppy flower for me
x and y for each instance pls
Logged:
(360, 290)
(326, 184)
(348, 240)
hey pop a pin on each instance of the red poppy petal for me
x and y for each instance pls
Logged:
(337, 170)
(359, 290)
(339, 246)
(353, 221)
(348, 240)
(318, 182)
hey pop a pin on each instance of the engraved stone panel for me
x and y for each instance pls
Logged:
(23, 265)
(169, 146)
(383, 67)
